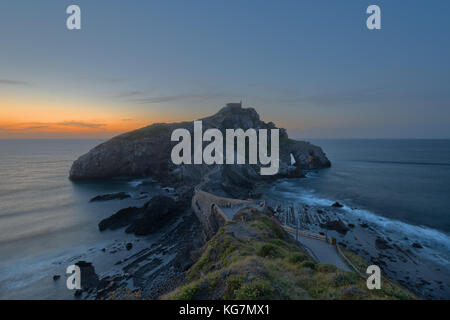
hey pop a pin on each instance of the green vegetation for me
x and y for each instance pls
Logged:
(389, 288)
(256, 259)
(149, 131)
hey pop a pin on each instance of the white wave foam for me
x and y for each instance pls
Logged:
(436, 243)
(135, 183)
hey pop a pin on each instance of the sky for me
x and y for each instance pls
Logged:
(312, 67)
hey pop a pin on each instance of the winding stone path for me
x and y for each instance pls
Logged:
(322, 252)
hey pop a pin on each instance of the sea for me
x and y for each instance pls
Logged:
(46, 220)
(401, 187)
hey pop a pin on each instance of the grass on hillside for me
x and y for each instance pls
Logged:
(254, 258)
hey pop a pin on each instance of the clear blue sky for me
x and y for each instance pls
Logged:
(310, 66)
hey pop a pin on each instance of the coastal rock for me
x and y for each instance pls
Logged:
(120, 219)
(417, 245)
(382, 244)
(155, 213)
(146, 151)
(89, 278)
(239, 180)
(111, 196)
(337, 205)
(144, 220)
(336, 225)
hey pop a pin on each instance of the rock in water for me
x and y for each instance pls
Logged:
(111, 196)
(158, 211)
(120, 219)
(155, 213)
(337, 205)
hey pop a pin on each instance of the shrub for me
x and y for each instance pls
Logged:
(340, 280)
(308, 264)
(294, 257)
(258, 289)
(327, 268)
(186, 293)
(266, 250)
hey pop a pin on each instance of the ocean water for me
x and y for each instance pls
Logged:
(44, 216)
(406, 180)
(400, 186)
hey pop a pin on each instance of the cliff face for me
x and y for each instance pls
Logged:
(146, 152)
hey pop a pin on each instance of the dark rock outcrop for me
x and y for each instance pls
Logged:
(155, 213)
(382, 244)
(89, 278)
(120, 219)
(142, 221)
(111, 196)
(337, 205)
(239, 180)
(146, 151)
(336, 225)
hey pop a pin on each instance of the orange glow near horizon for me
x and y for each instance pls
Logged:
(47, 119)
(53, 118)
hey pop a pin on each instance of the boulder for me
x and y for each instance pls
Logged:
(337, 205)
(155, 213)
(336, 225)
(110, 196)
(120, 219)
(158, 211)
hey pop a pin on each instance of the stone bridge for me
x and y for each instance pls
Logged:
(214, 211)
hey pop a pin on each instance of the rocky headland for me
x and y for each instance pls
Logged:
(146, 152)
(186, 237)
